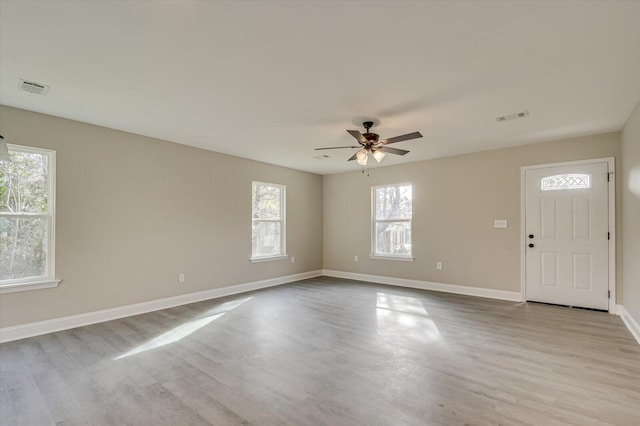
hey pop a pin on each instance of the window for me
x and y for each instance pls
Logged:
(268, 221)
(27, 207)
(567, 181)
(391, 224)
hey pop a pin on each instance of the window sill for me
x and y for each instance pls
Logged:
(399, 258)
(267, 258)
(26, 286)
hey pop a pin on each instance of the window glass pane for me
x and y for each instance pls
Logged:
(393, 202)
(24, 183)
(266, 239)
(266, 202)
(393, 238)
(23, 247)
(566, 181)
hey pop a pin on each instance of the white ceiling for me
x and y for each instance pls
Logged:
(273, 80)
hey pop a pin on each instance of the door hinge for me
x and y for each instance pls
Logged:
(608, 176)
(608, 235)
(608, 294)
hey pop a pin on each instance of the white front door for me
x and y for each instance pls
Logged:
(566, 226)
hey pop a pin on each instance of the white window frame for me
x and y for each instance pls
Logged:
(386, 256)
(282, 221)
(48, 280)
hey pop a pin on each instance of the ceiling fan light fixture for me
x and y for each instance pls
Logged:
(378, 155)
(362, 157)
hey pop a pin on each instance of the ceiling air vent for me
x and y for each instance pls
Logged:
(513, 116)
(33, 87)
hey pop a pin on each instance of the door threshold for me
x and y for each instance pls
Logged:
(568, 306)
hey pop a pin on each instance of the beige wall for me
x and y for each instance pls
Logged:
(133, 212)
(631, 215)
(456, 200)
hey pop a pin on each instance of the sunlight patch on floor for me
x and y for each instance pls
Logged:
(186, 329)
(405, 314)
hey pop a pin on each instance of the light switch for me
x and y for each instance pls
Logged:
(500, 223)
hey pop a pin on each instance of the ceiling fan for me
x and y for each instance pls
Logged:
(370, 143)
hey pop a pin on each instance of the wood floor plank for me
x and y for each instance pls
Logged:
(328, 351)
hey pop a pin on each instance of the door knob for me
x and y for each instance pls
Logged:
(530, 235)
(530, 245)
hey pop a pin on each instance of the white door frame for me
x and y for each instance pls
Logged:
(612, 222)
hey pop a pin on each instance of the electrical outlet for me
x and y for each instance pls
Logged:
(180, 278)
(293, 259)
(438, 265)
(355, 258)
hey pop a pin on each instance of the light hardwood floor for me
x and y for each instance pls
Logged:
(330, 351)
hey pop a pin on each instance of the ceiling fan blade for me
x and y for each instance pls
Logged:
(406, 137)
(356, 134)
(390, 150)
(338, 147)
(353, 157)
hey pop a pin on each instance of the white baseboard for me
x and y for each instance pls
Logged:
(630, 322)
(22, 331)
(514, 296)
